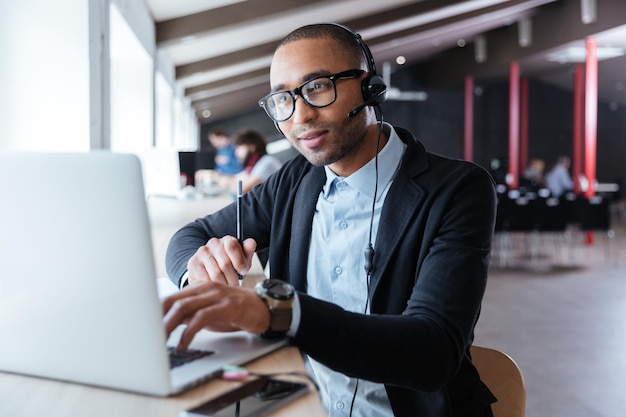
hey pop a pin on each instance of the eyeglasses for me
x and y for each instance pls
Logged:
(318, 92)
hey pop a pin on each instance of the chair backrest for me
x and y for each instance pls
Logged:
(504, 378)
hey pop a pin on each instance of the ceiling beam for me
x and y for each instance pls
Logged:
(237, 79)
(520, 6)
(398, 13)
(177, 29)
(248, 54)
(226, 105)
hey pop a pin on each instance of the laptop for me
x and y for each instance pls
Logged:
(78, 291)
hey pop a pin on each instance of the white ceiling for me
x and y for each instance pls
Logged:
(222, 48)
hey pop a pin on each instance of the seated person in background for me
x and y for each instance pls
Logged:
(250, 149)
(532, 179)
(378, 249)
(225, 160)
(558, 180)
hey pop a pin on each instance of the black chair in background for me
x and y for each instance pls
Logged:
(523, 220)
(595, 216)
(551, 219)
(515, 221)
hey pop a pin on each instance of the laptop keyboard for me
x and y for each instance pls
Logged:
(181, 357)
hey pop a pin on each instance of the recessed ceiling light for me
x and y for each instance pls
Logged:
(206, 113)
(400, 60)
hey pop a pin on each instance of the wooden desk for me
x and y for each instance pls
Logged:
(22, 396)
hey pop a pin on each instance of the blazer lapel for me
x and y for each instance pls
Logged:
(405, 197)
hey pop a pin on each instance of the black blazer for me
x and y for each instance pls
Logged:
(429, 277)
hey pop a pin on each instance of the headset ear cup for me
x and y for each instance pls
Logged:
(374, 90)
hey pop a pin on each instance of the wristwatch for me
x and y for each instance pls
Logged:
(278, 296)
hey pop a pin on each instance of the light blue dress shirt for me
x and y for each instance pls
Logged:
(336, 273)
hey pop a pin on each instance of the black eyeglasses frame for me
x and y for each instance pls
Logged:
(348, 74)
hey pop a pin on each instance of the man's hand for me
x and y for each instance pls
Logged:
(221, 260)
(214, 306)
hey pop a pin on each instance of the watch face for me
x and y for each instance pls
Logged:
(278, 289)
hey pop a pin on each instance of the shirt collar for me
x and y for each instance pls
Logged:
(362, 180)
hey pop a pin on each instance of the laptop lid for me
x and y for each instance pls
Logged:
(78, 291)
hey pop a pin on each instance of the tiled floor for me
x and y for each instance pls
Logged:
(565, 325)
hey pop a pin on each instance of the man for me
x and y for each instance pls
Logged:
(390, 339)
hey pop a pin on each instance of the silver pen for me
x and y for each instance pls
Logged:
(239, 220)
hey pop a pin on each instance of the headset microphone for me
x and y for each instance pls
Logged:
(374, 93)
(366, 103)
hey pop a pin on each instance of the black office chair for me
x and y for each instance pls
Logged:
(515, 218)
(595, 216)
(551, 220)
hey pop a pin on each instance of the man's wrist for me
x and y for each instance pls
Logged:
(278, 296)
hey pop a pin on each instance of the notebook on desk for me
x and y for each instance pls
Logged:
(78, 291)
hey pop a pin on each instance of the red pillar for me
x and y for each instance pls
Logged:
(523, 133)
(468, 137)
(591, 115)
(514, 125)
(577, 140)
(591, 119)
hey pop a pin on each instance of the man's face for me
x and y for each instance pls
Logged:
(325, 136)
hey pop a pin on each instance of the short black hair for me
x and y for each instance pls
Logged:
(344, 38)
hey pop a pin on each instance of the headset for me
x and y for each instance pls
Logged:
(373, 86)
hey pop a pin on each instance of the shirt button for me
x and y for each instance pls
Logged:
(343, 225)
(340, 405)
(338, 270)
